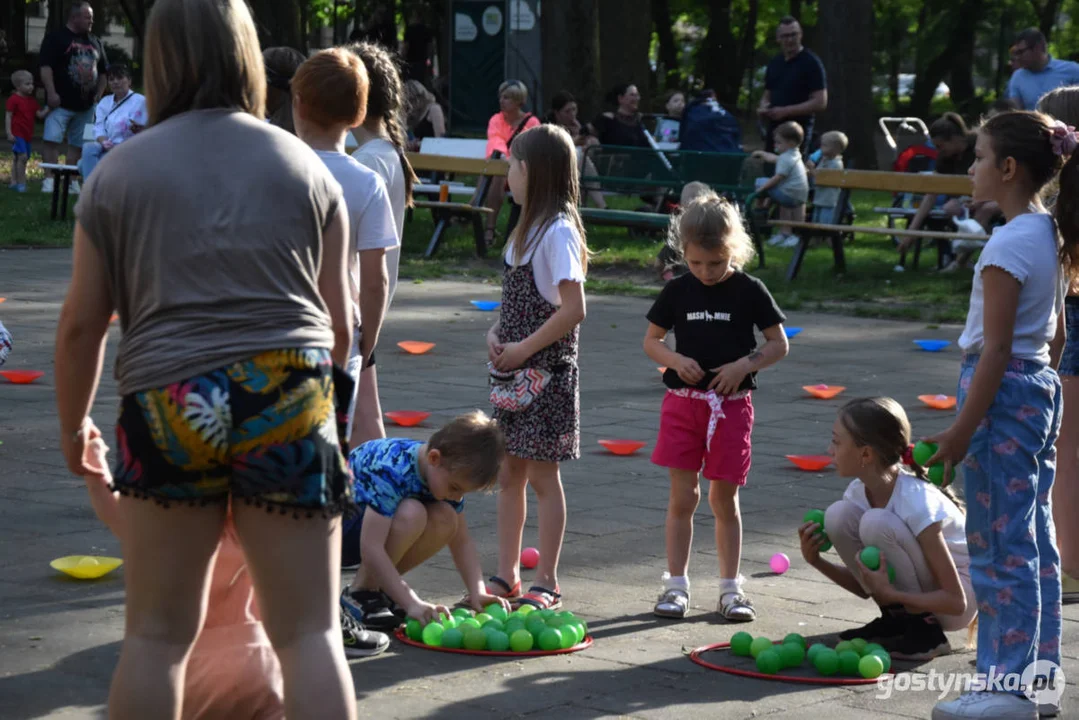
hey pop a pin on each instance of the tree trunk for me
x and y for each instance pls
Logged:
(1047, 11)
(625, 32)
(278, 22)
(850, 87)
(668, 47)
(961, 77)
(16, 37)
(572, 63)
(718, 54)
(895, 41)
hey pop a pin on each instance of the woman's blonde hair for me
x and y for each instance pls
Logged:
(553, 190)
(200, 55)
(515, 90)
(331, 88)
(711, 223)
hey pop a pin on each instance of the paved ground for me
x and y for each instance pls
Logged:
(59, 638)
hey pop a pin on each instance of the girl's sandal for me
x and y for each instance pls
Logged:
(513, 594)
(542, 599)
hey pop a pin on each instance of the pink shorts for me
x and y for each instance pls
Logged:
(683, 438)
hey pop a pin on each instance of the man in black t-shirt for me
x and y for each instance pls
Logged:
(795, 85)
(73, 68)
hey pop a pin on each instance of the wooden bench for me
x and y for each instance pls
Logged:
(485, 169)
(849, 180)
(62, 176)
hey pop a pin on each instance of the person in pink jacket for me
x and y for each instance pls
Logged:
(510, 121)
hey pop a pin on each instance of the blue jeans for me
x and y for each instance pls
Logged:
(778, 196)
(92, 153)
(1069, 360)
(1009, 471)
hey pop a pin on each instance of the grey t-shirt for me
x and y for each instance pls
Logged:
(827, 197)
(210, 228)
(795, 184)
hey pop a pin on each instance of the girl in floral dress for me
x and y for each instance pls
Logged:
(533, 355)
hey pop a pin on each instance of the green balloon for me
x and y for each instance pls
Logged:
(826, 545)
(791, 654)
(936, 474)
(462, 612)
(493, 624)
(432, 634)
(796, 639)
(414, 630)
(513, 625)
(453, 638)
(814, 516)
(550, 639)
(769, 662)
(526, 609)
(815, 648)
(871, 557)
(569, 636)
(859, 646)
(923, 451)
(827, 662)
(447, 622)
(871, 667)
(884, 658)
(740, 643)
(483, 618)
(568, 616)
(759, 645)
(521, 641)
(469, 623)
(498, 641)
(475, 639)
(870, 647)
(843, 646)
(535, 625)
(496, 611)
(582, 631)
(848, 662)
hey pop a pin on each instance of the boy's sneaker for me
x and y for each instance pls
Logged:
(891, 623)
(986, 706)
(369, 607)
(736, 607)
(359, 641)
(777, 239)
(74, 188)
(21, 187)
(47, 184)
(791, 241)
(923, 640)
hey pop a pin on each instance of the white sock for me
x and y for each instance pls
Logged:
(730, 585)
(679, 582)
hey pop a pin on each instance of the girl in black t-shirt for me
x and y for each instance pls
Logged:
(707, 415)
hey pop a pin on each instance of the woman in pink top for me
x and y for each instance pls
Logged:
(505, 125)
(233, 673)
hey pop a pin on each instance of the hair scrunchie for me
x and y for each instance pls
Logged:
(1063, 138)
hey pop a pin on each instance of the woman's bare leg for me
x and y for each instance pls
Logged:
(168, 557)
(367, 417)
(295, 564)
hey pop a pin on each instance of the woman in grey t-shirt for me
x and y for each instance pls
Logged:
(221, 241)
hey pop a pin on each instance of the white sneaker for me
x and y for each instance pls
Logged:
(986, 706)
(47, 184)
(791, 241)
(777, 239)
(74, 188)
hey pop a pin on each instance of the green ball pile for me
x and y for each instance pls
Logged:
(495, 630)
(922, 452)
(849, 657)
(817, 516)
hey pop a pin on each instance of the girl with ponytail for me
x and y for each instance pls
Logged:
(918, 529)
(383, 140)
(1010, 402)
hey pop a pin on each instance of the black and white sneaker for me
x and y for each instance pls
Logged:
(891, 623)
(371, 608)
(923, 639)
(359, 641)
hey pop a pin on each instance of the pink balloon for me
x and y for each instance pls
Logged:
(780, 563)
(529, 558)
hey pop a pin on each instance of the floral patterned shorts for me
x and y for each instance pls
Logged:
(264, 430)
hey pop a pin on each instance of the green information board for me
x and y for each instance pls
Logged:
(477, 61)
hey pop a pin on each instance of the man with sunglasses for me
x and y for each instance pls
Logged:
(1037, 73)
(795, 85)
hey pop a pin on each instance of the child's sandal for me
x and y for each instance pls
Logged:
(542, 599)
(512, 594)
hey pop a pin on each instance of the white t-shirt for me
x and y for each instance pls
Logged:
(795, 182)
(381, 156)
(556, 257)
(370, 216)
(919, 504)
(1025, 248)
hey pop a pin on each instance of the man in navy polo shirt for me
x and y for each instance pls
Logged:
(1037, 72)
(795, 85)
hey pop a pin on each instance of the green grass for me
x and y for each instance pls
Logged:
(621, 263)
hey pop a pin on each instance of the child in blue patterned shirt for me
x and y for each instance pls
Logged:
(410, 497)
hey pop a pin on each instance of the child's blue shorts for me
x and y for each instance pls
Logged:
(21, 146)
